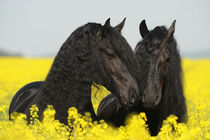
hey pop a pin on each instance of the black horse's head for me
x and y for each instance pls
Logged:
(119, 62)
(154, 54)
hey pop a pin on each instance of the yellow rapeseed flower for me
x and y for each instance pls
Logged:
(16, 72)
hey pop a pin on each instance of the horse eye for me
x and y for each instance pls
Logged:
(156, 51)
(110, 56)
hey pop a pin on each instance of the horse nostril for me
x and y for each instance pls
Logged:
(156, 100)
(132, 99)
(143, 99)
(133, 96)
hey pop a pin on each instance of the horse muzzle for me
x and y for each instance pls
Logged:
(151, 99)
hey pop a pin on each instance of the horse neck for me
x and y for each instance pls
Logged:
(70, 85)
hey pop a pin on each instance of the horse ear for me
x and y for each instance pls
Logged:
(171, 31)
(168, 37)
(105, 29)
(120, 26)
(143, 28)
(106, 26)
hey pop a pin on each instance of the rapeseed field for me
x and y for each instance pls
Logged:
(16, 72)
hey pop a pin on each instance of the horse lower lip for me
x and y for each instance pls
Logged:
(151, 106)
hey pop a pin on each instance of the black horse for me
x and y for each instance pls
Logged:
(92, 53)
(160, 81)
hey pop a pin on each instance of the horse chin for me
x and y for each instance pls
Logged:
(150, 106)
